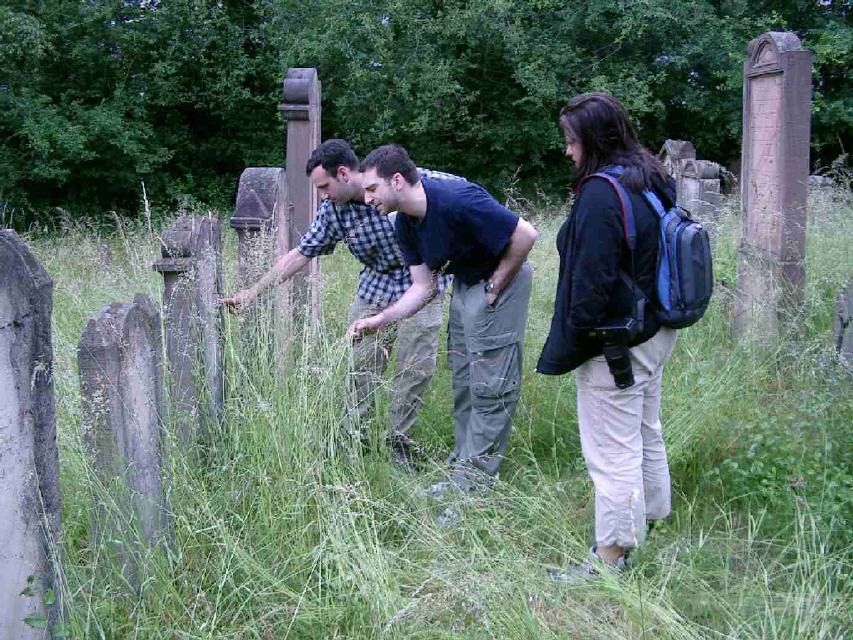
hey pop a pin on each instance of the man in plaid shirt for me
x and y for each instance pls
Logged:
(370, 237)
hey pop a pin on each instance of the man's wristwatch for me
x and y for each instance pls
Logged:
(489, 286)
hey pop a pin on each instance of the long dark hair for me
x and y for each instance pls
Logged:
(599, 122)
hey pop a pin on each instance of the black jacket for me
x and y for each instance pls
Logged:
(593, 250)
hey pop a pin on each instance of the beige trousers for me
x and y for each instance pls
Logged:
(417, 342)
(622, 443)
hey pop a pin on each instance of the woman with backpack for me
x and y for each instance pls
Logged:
(605, 326)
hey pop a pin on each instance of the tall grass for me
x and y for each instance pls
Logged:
(286, 528)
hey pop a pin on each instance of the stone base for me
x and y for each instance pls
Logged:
(768, 296)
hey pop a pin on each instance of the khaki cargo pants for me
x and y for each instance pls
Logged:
(484, 353)
(417, 342)
(622, 442)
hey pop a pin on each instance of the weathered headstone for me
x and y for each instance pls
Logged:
(262, 202)
(29, 462)
(673, 152)
(774, 183)
(710, 175)
(191, 266)
(301, 109)
(699, 188)
(119, 360)
(843, 326)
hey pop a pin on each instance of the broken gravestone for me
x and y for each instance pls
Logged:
(673, 152)
(699, 188)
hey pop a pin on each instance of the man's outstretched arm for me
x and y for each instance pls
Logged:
(423, 290)
(281, 271)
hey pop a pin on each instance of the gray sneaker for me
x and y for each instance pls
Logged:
(589, 569)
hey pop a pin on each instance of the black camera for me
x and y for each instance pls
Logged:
(616, 336)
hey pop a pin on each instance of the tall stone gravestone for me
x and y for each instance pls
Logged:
(774, 183)
(300, 107)
(119, 359)
(29, 462)
(192, 266)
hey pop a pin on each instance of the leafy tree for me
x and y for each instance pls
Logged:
(97, 96)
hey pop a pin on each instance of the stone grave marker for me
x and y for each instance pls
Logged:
(698, 188)
(262, 201)
(30, 507)
(774, 184)
(673, 152)
(192, 266)
(843, 326)
(119, 359)
(300, 107)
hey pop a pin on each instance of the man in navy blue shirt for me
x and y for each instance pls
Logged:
(458, 227)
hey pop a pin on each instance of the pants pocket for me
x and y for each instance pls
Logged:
(494, 365)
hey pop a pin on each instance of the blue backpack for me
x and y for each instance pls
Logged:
(685, 277)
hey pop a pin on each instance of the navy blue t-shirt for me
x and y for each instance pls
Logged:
(464, 232)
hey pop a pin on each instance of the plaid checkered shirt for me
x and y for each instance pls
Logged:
(370, 237)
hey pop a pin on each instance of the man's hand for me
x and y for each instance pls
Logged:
(370, 324)
(238, 301)
(491, 298)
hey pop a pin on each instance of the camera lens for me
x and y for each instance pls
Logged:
(619, 363)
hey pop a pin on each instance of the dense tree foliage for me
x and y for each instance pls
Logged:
(97, 96)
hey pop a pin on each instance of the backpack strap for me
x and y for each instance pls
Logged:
(654, 202)
(628, 223)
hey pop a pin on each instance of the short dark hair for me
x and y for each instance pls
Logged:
(600, 123)
(390, 159)
(330, 155)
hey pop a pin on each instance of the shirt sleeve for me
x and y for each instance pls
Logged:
(406, 240)
(324, 233)
(491, 223)
(597, 250)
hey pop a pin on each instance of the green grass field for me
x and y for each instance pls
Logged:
(286, 530)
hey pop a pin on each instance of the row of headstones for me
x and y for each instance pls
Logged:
(120, 364)
(122, 377)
